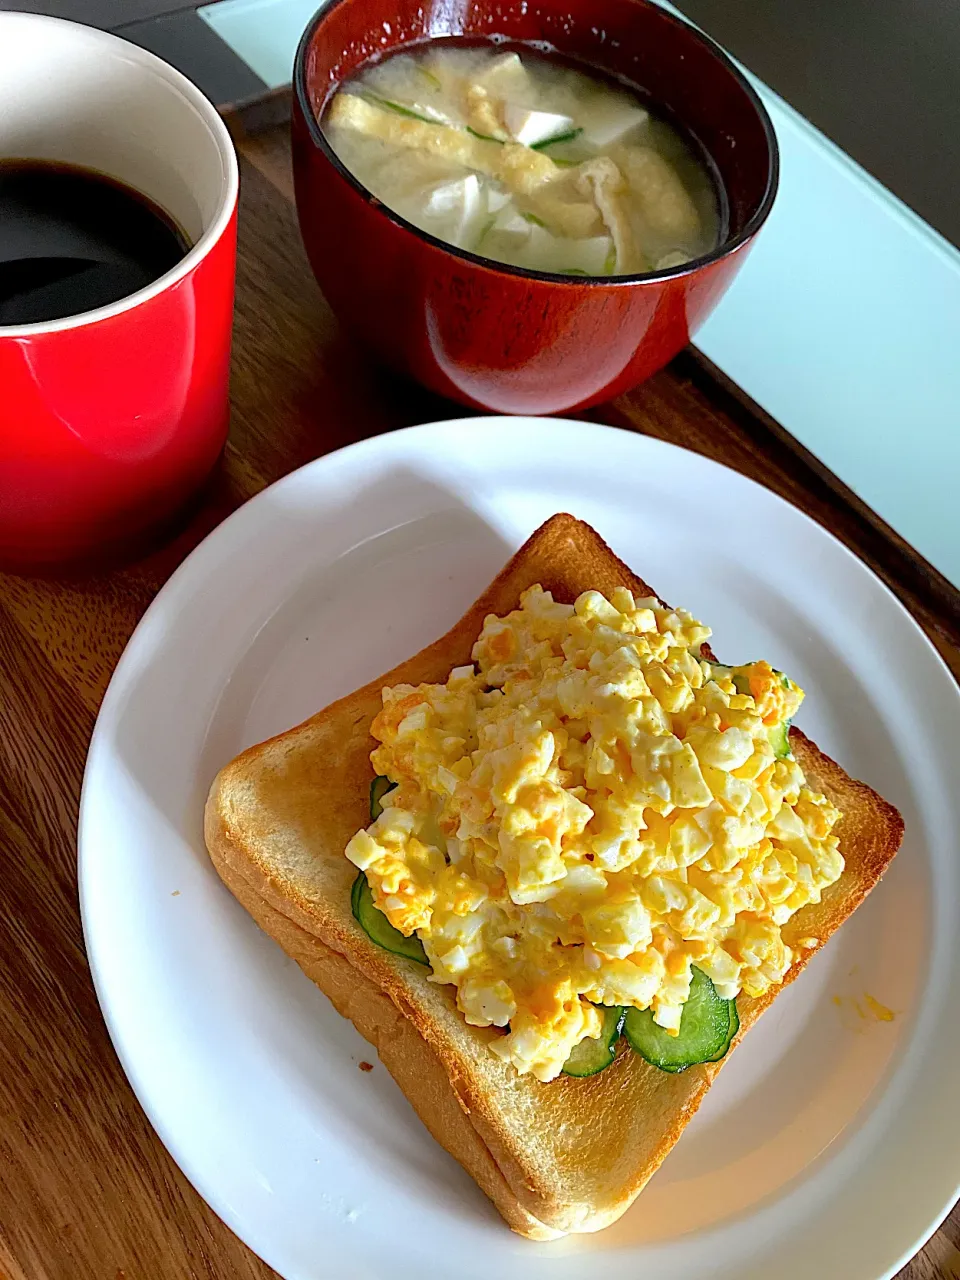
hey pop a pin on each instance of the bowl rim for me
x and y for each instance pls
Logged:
(725, 249)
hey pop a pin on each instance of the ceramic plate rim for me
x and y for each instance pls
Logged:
(197, 565)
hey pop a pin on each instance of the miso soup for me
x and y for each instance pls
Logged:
(525, 159)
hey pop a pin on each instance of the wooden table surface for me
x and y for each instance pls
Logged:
(87, 1192)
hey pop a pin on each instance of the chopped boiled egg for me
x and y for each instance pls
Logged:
(587, 812)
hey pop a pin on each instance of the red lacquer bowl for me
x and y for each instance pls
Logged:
(501, 337)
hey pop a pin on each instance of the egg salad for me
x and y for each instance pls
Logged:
(588, 811)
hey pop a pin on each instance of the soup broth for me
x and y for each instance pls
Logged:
(525, 159)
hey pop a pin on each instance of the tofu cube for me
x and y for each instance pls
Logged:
(531, 127)
(611, 122)
(506, 77)
(457, 205)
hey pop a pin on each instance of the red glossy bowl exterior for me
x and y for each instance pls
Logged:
(107, 428)
(111, 419)
(499, 337)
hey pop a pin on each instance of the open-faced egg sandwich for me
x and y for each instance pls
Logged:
(553, 867)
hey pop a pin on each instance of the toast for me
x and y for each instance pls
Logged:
(567, 1156)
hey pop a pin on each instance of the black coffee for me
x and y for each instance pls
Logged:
(72, 240)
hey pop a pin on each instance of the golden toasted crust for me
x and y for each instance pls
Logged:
(570, 1155)
(401, 1048)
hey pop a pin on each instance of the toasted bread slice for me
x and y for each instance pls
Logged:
(566, 1156)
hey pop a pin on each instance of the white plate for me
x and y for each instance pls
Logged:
(830, 1145)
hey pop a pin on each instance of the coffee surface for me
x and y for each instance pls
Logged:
(72, 240)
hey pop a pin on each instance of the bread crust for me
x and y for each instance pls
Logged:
(401, 1048)
(554, 1158)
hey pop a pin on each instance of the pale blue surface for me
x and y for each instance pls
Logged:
(844, 324)
(265, 33)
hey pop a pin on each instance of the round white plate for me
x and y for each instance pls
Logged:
(830, 1145)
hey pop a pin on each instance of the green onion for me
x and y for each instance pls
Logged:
(484, 137)
(487, 228)
(610, 265)
(400, 109)
(560, 137)
(532, 217)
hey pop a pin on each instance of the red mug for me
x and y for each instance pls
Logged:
(111, 419)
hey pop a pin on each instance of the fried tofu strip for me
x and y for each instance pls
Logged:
(517, 167)
(601, 178)
(662, 199)
(482, 113)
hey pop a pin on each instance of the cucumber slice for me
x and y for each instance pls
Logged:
(592, 1055)
(779, 734)
(378, 789)
(378, 928)
(718, 670)
(734, 1028)
(741, 682)
(707, 1026)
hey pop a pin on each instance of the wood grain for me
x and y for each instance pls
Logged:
(86, 1189)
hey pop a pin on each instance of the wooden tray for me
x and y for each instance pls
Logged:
(87, 1192)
